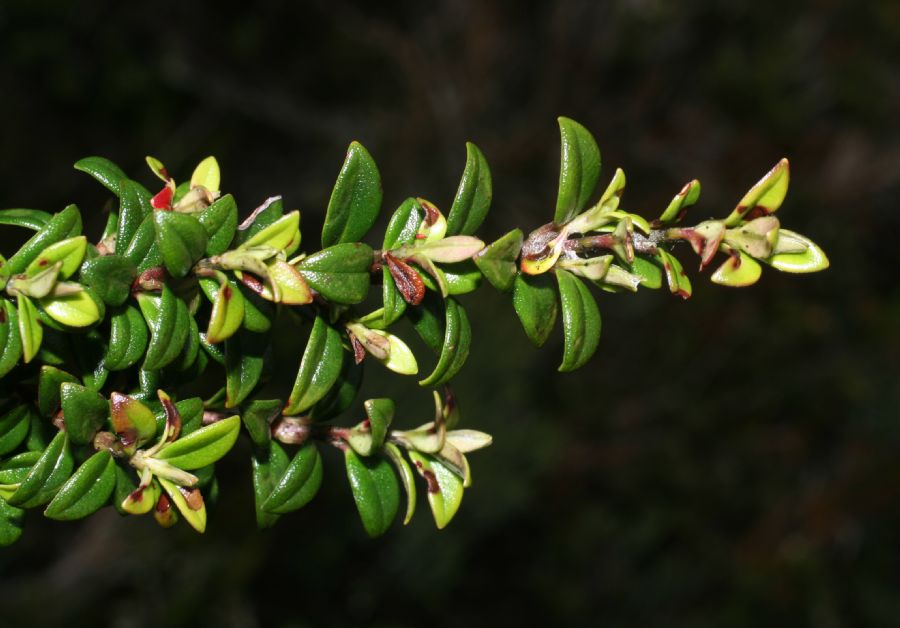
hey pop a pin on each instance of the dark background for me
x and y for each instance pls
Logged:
(731, 460)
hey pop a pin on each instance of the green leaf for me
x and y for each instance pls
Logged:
(86, 491)
(355, 200)
(28, 218)
(292, 287)
(10, 340)
(263, 216)
(679, 283)
(49, 382)
(406, 478)
(131, 420)
(473, 197)
(375, 491)
(282, 235)
(737, 271)
(181, 240)
(320, 367)
(447, 250)
(142, 250)
(579, 170)
(404, 224)
(298, 483)
(244, 359)
(14, 426)
(581, 321)
(207, 174)
(139, 500)
(765, 197)
(128, 337)
(445, 488)
(368, 437)
(428, 321)
(220, 221)
(688, 196)
(11, 521)
(342, 393)
(497, 261)
(204, 446)
(455, 346)
(103, 170)
(49, 473)
(534, 300)
(133, 208)
(393, 301)
(16, 469)
(644, 267)
(65, 224)
(84, 412)
(30, 329)
(258, 416)
(268, 467)
(227, 314)
(69, 252)
(80, 309)
(110, 277)
(801, 255)
(195, 516)
(339, 273)
(168, 318)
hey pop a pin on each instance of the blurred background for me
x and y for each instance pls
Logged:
(731, 460)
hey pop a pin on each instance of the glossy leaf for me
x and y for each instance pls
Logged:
(168, 319)
(292, 287)
(11, 521)
(448, 250)
(103, 170)
(375, 491)
(133, 208)
(257, 417)
(298, 483)
(339, 273)
(86, 491)
(181, 240)
(473, 197)
(688, 196)
(204, 446)
(801, 255)
(342, 393)
(581, 321)
(142, 250)
(244, 359)
(220, 222)
(282, 235)
(30, 329)
(65, 224)
(368, 437)
(49, 473)
(393, 300)
(445, 488)
(404, 224)
(84, 412)
(738, 270)
(14, 426)
(80, 309)
(320, 368)
(534, 299)
(110, 277)
(207, 174)
(128, 338)
(132, 421)
(406, 479)
(34, 219)
(679, 283)
(497, 261)
(455, 347)
(765, 197)
(227, 314)
(193, 511)
(10, 340)
(69, 252)
(578, 171)
(650, 273)
(355, 200)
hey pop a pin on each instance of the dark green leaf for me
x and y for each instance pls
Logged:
(142, 250)
(342, 393)
(258, 416)
(50, 472)
(110, 277)
(339, 273)
(65, 224)
(298, 483)
(393, 302)
(181, 240)
(49, 382)
(244, 359)
(133, 208)
(220, 222)
(368, 436)
(14, 426)
(404, 224)
(10, 340)
(11, 521)
(497, 261)
(86, 491)
(168, 318)
(84, 412)
(455, 346)
(355, 200)
(579, 170)
(375, 491)
(103, 170)
(204, 446)
(263, 216)
(128, 336)
(428, 321)
(29, 218)
(320, 367)
(473, 197)
(535, 302)
(268, 468)
(581, 321)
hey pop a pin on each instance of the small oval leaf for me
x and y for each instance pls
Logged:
(355, 200)
(581, 321)
(86, 491)
(204, 446)
(579, 170)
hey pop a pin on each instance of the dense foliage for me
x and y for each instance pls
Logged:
(99, 341)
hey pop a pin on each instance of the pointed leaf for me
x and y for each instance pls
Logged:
(84, 412)
(227, 314)
(70, 252)
(497, 261)
(244, 360)
(375, 491)
(581, 321)
(133, 207)
(207, 175)
(34, 219)
(128, 337)
(445, 488)
(802, 255)
(11, 521)
(678, 281)
(131, 420)
(50, 472)
(355, 200)
(10, 339)
(688, 196)
(298, 483)
(473, 197)
(578, 171)
(65, 224)
(189, 503)
(220, 222)
(455, 347)
(103, 170)
(204, 446)
(534, 300)
(448, 250)
(86, 491)
(30, 329)
(368, 437)
(291, 286)
(181, 240)
(320, 368)
(14, 426)
(765, 197)
(282, 235)
(74, 310)
(168, 319)
(404, 224)
(406, 478)
(342, 393)
(339, 273)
